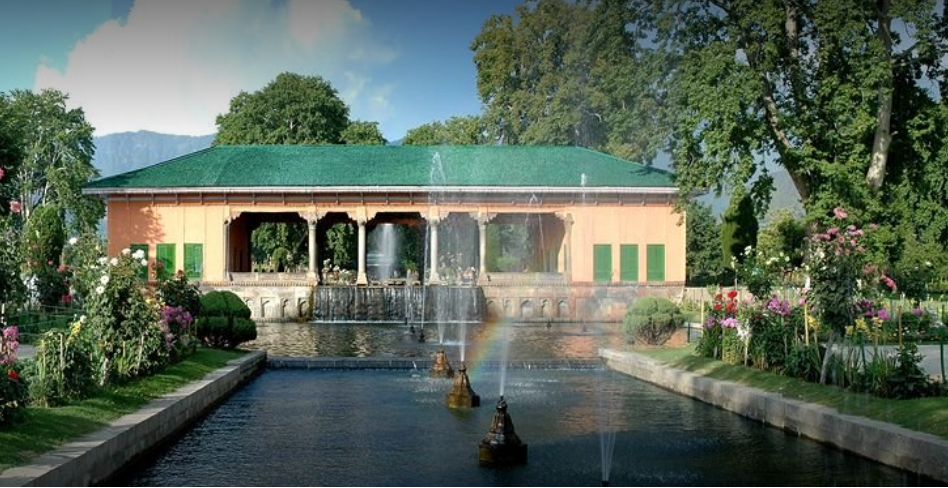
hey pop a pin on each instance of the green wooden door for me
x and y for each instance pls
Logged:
(655, 261)
(602, 263)
(164, 261)
(629, 262)
(194, 261)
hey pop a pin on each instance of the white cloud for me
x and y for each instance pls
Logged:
(174, 65)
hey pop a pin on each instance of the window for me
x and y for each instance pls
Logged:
(629, 262)
(655, 262)
(602, 263)
(143, 271)
(193, 261)
(164, 261)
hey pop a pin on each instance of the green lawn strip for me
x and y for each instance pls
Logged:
(39, 430)
(928, 415)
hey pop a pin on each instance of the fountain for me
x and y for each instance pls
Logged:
(462, 395)
(502, 446)
(441, 368)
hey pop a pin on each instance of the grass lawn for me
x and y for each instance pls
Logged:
(38, 430)
(922, 414)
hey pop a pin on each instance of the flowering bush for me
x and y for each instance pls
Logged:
(64, 368)
(81, 257)
(13, 392)
(723, 315)
(760, 273)
(125, 321)
(179, 292)
(176, 325)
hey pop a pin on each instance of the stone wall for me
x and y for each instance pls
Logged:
(568, 303)
(889, 444)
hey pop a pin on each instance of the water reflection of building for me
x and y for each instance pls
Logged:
(598, 229)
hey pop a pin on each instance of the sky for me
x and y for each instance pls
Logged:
(172, 66)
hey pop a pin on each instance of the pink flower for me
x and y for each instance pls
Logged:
(840, 213)
(2, 173)
(15, 206)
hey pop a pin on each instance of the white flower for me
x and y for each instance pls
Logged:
(73, 241)
(104, 280)
(126, 251)
(139, 254)
(145, 262)
(100, 289)
(743, 332)
(114, 261)
(103, 260)
(82, 319)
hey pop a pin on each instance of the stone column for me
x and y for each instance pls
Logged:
(227, 221)
(482, 247)
(433, 277)
(313, 271)
(567, 248)
(361, 278)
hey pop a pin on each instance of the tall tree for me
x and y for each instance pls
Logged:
(57, 150)
(703, 235)
(363, 132)
(574, 73)
(463, 130)
(809, 84)
(292, 109)
(10, 155)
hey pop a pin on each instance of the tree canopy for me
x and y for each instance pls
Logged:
(292, 109)
(363, 132)
(56, 149)
(465, 130)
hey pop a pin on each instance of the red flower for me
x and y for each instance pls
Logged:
(12, 375)
(732, 294)
(717, 306)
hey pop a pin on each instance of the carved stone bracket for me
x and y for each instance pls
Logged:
(311, 217)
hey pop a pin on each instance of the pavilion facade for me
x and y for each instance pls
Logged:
(596, 220)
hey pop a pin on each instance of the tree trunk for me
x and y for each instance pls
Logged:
(827, 356)
(880, 145)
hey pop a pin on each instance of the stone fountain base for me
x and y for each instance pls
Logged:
(441, 367)
(501, 446)
(462, 395)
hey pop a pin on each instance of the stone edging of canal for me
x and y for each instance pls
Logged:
(93, 458)
(886, 443)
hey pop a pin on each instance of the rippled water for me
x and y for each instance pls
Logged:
(527, 340)
(391, 428)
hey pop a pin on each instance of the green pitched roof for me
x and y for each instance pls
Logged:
(389, 166)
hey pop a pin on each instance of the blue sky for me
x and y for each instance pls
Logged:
(172, 65)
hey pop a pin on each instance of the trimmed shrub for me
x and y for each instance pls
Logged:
(225, 320)
(652, 320)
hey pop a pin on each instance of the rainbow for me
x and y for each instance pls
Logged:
(491, 344)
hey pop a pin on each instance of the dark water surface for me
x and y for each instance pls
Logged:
(392, 428)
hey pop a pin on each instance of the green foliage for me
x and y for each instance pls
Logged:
(292, 109)
(125, 322)
(12, 289)
(652, 320)
(564, 73)
(783, 234)
(225, 320)
(10, 155)
(289, 238)
(57, 150)
(82, 256)
(342, 245)
(63, 369)
(363, 132)
(509, 248)
(179, 292)
(738, 229)
(44, 237)
(466, 130)
(803, 362)
(703, 254)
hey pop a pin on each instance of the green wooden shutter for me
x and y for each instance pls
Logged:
(193, 261)
(143, 271)
(165, 256)
(655, 261)
(602, 262)
(629, 262)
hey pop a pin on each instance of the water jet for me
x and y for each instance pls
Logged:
(462, 395)
(502, 446)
